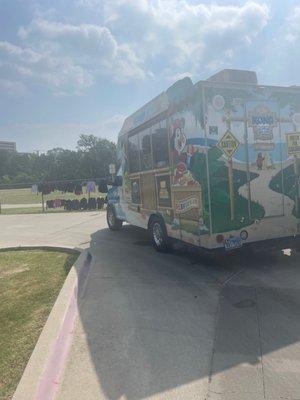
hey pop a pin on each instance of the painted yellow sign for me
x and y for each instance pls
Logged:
(228, 144)
(293, 143)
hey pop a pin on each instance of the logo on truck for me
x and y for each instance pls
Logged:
(262, 120)
(187, 204)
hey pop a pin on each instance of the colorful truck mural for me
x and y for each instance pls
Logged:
(226, 170)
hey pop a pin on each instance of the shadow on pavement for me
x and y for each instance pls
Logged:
(178, 326)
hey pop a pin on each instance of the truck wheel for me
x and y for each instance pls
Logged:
(159, 235)
(113, 222)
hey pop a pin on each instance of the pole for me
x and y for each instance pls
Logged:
(43, 204)
(207, 164)
(247, 162)
(297, 184)
(231, 191)
(230, 168)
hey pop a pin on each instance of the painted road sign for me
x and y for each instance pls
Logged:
(293, 143)
(228, 144)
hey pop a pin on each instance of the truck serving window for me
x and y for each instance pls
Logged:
(133, 153)
(160, 145)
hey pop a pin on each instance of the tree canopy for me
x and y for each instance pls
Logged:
(90, 160)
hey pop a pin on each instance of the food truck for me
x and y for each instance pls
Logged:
(214, 164)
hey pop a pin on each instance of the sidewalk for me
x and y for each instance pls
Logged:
(72, 230)
(12, 206)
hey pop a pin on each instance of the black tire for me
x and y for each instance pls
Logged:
(158, 234)
(114, 223)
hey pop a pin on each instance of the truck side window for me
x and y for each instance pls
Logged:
(145, 150)
(160, 145)
(163, 188)
(135, 191)
(133, 153)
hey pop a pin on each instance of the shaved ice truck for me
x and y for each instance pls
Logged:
(214, 164)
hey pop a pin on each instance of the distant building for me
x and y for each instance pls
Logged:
(9, 146)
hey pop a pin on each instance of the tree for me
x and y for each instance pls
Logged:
(96, 155)
(87, 143)
(90, 160)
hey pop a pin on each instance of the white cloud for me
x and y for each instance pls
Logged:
(183, 35)
(42, 68)
(282, 57)
(91, 46)
(136, 39)
(293, 26)
(89, 40)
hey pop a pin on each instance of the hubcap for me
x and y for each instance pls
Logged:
(111, 218)
(158, 234)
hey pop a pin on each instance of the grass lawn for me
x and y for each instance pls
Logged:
(19, 196)
(30, 281)
(24, 196)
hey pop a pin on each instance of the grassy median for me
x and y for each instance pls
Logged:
(30, 281)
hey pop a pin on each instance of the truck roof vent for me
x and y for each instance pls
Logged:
(234, 76)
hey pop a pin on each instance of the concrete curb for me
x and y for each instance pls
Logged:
(41, 376)
(70, 250)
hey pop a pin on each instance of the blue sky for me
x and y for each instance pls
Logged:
(80, 66)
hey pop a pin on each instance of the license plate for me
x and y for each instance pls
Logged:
(233, 243)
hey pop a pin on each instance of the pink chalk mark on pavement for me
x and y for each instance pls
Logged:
(56, 362)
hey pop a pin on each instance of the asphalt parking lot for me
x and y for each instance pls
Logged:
(177, 326)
